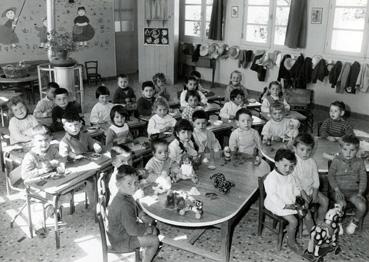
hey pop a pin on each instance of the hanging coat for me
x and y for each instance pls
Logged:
(335, 73)
(352, 78)
(362, 83)
(320, 71)
(261, 71)
(283, 72)
(343, 77)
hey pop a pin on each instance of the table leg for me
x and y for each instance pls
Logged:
(2, 117)
(28, 199)
(226, 236)
(56, 225)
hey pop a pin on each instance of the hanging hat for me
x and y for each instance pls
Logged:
(225, 52)
(213, 51)
(234, 52)
(288, 63)
(221, 49)
(204, 50)
(269, 59)
(9, 9)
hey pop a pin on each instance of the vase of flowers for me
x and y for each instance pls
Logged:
(60, 45)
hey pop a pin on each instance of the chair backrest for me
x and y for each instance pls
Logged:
(299, 97)
(91, 67)
(102, 220)
(262, 193)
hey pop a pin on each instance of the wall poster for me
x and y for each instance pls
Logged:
(156, 36)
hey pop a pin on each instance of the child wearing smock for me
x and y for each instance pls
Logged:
(45, 106)
(191, 84)
(234, 83)
(118, 132)
(230, 108)
(273, 95)
(160, 122)
(100, 113)
(193, 100)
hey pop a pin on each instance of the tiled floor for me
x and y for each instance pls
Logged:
(80, 235)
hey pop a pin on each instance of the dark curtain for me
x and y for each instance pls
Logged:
(216, 27)
(297, 25)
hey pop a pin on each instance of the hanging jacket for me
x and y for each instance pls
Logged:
(261, 71)
(283, 72)
(362, 83)
(352, 78)
(196, 54)
(342, 79)
(320, 71)
(335, 73)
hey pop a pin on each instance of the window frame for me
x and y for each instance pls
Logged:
(271, 26)
(329, 34)
(194, 39)
(118, 10)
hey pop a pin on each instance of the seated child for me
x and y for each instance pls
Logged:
(273, 95)
(230, 108)
(160, 122)
(21, 124)
(348, 178)
(118, 132)
(160, 86)
(145, 102)
(123, 94)
(193, 100)
(120, 155)
(335, 127)
(197, 76)
(100, 113)
(160, 162)
(281, 192)
(234, 83)
(45, 106)
(191, 84)
(183, 144)
(126, 231)
(75, 144)
(204, 138)
(40, 160)
(307, 177)
(62, 105)
(278, 126)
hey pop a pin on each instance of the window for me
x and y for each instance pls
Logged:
(124, 16)
(197, 14)
(266, 21)
(347, 23)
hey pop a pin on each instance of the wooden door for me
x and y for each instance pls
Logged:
(126, 39)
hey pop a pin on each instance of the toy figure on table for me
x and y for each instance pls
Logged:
(187, 171)
(293, 130)
(183, 202)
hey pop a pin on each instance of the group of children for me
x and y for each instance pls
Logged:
(295, 173)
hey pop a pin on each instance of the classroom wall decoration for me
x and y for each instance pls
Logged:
(23, 34)
(156, 36)
(156, 9)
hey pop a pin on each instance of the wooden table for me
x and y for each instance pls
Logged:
(80, 171)
(5, 96)
(289, 114)
(323, 151)
(221, 212)
(20, 83)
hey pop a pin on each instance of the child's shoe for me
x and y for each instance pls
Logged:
(350, 229)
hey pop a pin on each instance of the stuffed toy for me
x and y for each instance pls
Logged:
(325, 232)
(293, 130)
(301, 207)
(227, 153)
(163, 183)
(183, 202)
(221, 183)
(187, 171)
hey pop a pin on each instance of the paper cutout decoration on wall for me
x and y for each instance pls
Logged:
(7, 34)
(82, 30)
(156, 36)
(42, 33)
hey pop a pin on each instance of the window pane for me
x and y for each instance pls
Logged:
(127, 26)
(258, 2)
(351, 2)
(256, 33)
(344, 40)
(207, 30)
(117, 26)
(208, 12)
(257, 15)
(281, 16)
(197, 2)
(192, 28)
(279, 35)
(284, 2)
(192, 12)
(349, 18)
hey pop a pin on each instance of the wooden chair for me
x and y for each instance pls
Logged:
(301, 100)
(103, 219)
(92, 72)
(263, 212)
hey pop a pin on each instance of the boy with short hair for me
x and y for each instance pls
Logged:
(347, 177)
(277, 127)
(335, 127)
(63, 105)
(307, 176)
(100, 113)
(76, 143)
(45, 106)
(145, 103)
(125, 231)
(230, 108)
(123, 94)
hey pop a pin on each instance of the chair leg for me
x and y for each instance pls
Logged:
(261, 221)
(280, 235)
(17, 215)
(275, 222)
(71, 204)
(137, 255)
(28, 203)
(301, 226)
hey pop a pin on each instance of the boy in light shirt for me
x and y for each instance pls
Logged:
(100, 113)
(230, 108)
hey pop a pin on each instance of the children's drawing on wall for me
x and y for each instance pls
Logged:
(82, 30)
(42, 33)
(7, 30)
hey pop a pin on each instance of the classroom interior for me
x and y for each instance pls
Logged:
(143, 37)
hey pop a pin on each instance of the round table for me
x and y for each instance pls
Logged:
(21, 82)
(324, 150)
(220, 211)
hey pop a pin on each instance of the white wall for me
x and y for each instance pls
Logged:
(324, 95)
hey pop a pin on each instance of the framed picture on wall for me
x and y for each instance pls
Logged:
(316, 15)
(234, 11)
(156, 36)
